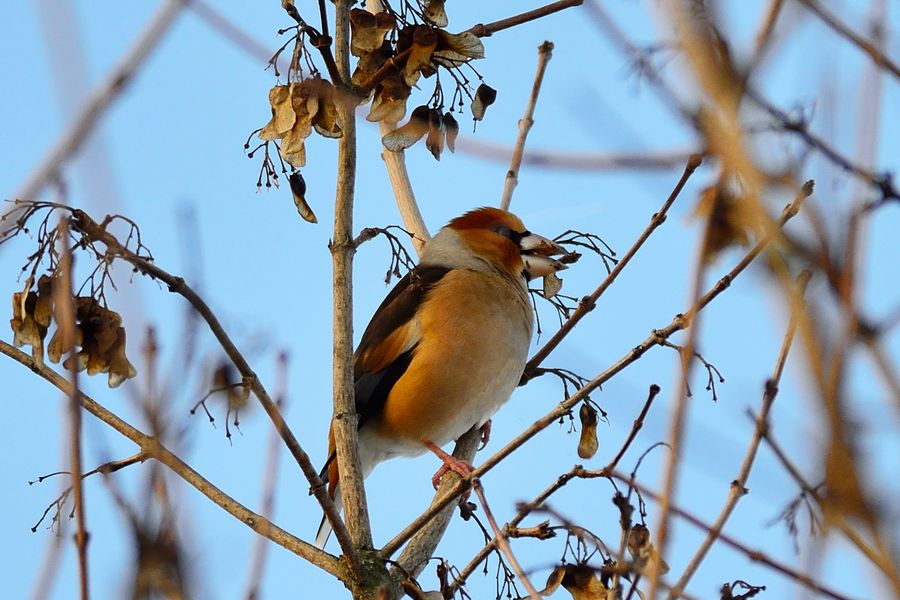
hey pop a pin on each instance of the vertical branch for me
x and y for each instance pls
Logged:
(545, 51)
(395, 163)
(342, 249)
(738, 488)
(65, 320)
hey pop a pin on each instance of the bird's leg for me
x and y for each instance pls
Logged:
(451, 463)
(485, 434)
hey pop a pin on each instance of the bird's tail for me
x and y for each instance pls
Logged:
(324, 531)
(331, 476)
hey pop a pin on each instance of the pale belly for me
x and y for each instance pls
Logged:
(468, 362)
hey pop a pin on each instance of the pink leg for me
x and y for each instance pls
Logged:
(485, 434)
(451, 463)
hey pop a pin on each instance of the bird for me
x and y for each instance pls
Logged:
(447, 346)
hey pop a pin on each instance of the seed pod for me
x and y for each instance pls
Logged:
(588, 444)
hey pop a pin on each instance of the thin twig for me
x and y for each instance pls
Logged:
(153, 448)
(590, 301)
(656, 337)
(82, 222)
(751, 553)
(545, 51)
(503, 543)
(65, 318)
(884, 564)
(482, 30)
(857, 40)
(635, 428)
(738, 488)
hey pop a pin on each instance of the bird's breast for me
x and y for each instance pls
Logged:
(475, 333)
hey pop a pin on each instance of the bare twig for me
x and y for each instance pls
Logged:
(152, 447)
(342, 250)
(656, 337)
(738, 488)
(857, 40)
(65, 319)
(589, 302)
(503, 543)
(100, 99)
(751, 553)
(635, 428)
(83, 223)
(491, 28)
(545, 51)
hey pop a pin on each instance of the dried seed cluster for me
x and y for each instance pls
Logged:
(98, 334)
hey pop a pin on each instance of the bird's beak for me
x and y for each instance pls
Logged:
(536, 253)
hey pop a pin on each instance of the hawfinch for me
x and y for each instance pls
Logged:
(448, 345)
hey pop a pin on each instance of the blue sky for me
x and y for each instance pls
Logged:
(168, 154)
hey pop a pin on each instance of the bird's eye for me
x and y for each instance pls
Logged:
(506, 232)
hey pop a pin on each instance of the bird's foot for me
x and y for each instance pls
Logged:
(451, 463)
(485, 434)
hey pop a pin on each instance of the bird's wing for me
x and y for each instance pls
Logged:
(386, 347)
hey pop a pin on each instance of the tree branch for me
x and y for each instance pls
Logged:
(151, 446)
(545, 51)
(656, 338)
(738, 488)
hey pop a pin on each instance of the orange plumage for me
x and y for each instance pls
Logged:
(448, 345)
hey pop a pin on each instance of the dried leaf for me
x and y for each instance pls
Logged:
(434, 12)
(410, 133)
(552, 285)
(645, 557)
(367, 30)
(485, 95)
(120, 368)
(435, 139)
(298, 191)
(454, 49)
(588, 444)
(283, 116)
(389, 104)
(370, 63)
(452, 129)
(727, 223)
(424, 42)
(43, 309)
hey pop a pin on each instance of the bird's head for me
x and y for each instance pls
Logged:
(499, 238)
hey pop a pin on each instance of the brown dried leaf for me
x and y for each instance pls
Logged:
(389, 104)
(120, 368)
(434, 12)
(727, 223)
(552, 285)
(452, 129)
(435, 139)
(424, 41)
(370, 63)
(454, 49)
(298, 191)
(410, 133)
(485, 95)
(43, 309)
(283, 116)
(588, 443)
(645, 557)
(367, 31)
